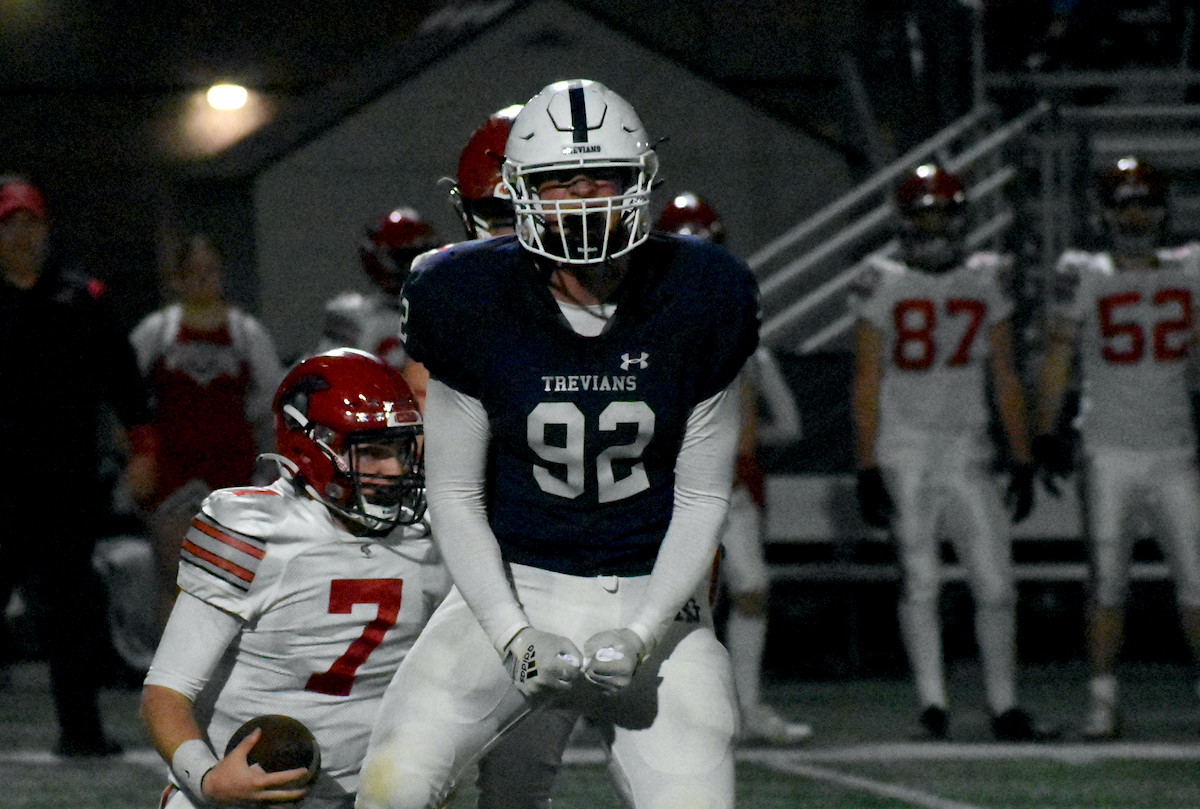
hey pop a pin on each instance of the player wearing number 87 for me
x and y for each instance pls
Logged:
(933, 330)
(301, 597)
(1129, 315)
(580, 436)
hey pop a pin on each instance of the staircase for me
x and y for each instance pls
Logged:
(804, 274)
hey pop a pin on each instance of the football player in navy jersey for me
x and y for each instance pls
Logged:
(580, 438)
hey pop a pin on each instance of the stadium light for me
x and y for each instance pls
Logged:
(227, 96)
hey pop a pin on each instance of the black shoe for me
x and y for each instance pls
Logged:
(935, 720)
(1014, 725)
(87, 748)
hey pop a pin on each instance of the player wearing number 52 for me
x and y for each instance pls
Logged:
(1129, 313)
(580, 434)
(933, 330)
(300, 597)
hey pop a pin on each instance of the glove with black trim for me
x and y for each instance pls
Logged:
(1055, 458)
(874, 502)
(1019, 496)
(541, 662)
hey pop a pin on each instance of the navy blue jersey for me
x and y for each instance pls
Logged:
(584, 430)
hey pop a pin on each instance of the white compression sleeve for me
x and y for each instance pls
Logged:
(703, 475)
(195, 639)
(456, 446)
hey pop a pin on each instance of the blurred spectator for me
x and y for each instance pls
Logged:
(63, 357)
(212, 369)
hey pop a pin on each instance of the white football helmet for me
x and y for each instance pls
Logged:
(580, 125)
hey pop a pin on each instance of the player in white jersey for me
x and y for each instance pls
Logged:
(301, 597)
(933, 329)
(1130, 315)
(371, 321)
(770, 417)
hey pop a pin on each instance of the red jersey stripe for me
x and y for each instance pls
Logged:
(211, 530)
(217, 561)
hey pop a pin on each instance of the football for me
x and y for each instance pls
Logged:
(285, 744)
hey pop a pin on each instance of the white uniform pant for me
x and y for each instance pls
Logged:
(943, 481)
(938, 480)
(670, 734)
(1117, 480)
(743, 562)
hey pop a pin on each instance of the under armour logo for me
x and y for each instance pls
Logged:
(628, 362)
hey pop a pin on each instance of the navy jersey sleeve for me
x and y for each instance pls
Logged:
(725, 329)
(445, 301)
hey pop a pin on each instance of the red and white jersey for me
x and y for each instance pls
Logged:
(1136, 330)
(367, 322)
(935, 330)
(328, 617)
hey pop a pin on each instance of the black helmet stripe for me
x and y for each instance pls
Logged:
(579, 121)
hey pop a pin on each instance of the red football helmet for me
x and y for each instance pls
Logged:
(1130, 180)
(930, 186)
(387, 250)
(932, 204)
(689, 214)
(347, 426)
(17, 194)
(478, 194)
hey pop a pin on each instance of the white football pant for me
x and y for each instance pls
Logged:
(670, 734)
(943, 481)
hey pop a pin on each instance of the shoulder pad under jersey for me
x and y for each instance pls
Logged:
(1185, 257)
(998, 269)
(1078, 262)
(423, 257)
(256, 510)
(230, 538)
(346, 302)
(344, 315)
(1072, 266)
(990, 262)
(872, 277)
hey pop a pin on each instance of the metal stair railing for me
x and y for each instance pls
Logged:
(801, 274)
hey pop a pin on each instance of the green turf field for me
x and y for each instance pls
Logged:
(865, 752)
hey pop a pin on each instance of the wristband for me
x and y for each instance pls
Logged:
(189, 765)
(507, 636)
(645, 636)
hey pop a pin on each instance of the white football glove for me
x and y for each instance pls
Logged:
(611, 657)
(541, 662)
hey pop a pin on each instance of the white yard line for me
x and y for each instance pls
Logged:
(882, 789)
(958, 751)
